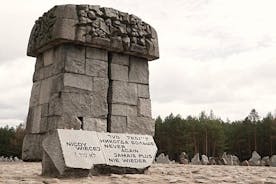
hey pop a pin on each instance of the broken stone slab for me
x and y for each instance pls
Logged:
(75, 152)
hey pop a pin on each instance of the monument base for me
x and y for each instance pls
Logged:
(107, 169)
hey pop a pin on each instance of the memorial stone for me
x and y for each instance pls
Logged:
(91, 73)
(163, 159)
(75, 152)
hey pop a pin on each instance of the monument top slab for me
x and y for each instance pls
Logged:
(94, 26)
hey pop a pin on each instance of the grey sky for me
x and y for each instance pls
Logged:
(214, 54)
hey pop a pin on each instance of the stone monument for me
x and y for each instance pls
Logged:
(91, 73)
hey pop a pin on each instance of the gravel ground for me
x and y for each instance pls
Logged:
(29, 173)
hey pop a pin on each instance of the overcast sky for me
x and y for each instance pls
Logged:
(214, 54)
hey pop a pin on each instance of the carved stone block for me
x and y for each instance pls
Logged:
(119, 72)
(138, 70)
(124, 93)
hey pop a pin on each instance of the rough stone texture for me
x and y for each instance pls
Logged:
(32, 150)
(140, 125)
(118, 124)
(78, 81)
(94, 26)
(196, 160)
(162, 159)
(183, 158)
(95, 124)
(144, 107)
(124, 93)
(138, 70)
(119, 72)
(273, 161)
(204, 160)
(120, 59)
(255, 159)
(96, 68)
(143, 91)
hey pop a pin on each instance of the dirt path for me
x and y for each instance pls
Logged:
(29, 173)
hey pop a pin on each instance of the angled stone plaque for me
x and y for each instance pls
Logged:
(75, 152)
(128, 150)
(81, 149)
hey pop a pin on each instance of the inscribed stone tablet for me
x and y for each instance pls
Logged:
(81, 149)
(128, 150)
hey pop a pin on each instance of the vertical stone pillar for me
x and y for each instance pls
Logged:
(91, 73)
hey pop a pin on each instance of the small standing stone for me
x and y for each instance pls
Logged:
(163, 159)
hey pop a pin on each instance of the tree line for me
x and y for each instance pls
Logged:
(11, 140)
(209, 135)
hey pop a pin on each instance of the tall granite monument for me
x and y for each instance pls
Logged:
(91, 73)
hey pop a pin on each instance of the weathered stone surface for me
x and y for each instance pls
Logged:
(66, 121)
(78, 81)
(94, 124)
(143, 91)
(265, 161)
(119, 109)
(138, 70)
(255, 159)
(118, 124)
(196, 160)
(140, 125)
(162, 159)
(31, 148)
(96, 54)
(77, 104)
(34, 120)
(45, 91)
(183, 158)
(74, 58)
(48, 57)
(119, 72)
(35, 94)
(96, 68)
(99, 106)
(124, 93)
(204, 160)
(273, 161)
(120, 59)
(100, 86)
(144, 107)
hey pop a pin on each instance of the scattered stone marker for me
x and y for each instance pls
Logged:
(91, 73)
(163, 159)
(255, 159)
(75, 152)
(183, 158)
(273, 161)
(204, 160)
(196, 160)
(265, 161)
